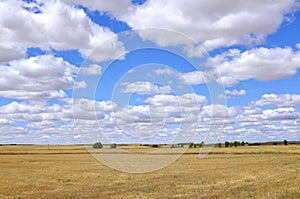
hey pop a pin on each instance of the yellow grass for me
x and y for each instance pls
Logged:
(71, 172)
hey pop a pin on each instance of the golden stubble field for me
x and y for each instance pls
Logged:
(71, 172)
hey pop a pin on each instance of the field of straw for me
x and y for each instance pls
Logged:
(72, 172)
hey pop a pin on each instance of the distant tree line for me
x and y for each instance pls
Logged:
(190, 145)
(238, 143)
(99, 145)
(231, 144)
(194, 145)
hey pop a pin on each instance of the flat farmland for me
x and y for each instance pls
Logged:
(71, 172)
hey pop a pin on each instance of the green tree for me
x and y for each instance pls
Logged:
(201, 144)
(285, 142)
(226, 144)
(235, 143)
(242, 143)
(97, 145)
(113, 145)
(191, 144)
(220, 145)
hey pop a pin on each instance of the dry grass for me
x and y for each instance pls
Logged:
(71, 172)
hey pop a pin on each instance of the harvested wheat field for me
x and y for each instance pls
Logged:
(71, 172)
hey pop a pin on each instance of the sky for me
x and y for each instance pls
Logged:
(77, 71)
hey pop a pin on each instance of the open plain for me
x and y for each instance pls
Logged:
(30, 171)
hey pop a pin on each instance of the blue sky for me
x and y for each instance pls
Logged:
(149, 71)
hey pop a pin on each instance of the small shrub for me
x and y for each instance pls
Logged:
(148, 189)
(113, 146)
(97, 145)
(191, 145)
(220, 145)
(202, 144)
(172, 184)
(283, 194)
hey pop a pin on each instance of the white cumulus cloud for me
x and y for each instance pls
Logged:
(93, 69)
(43, 76)
(146, 88)
(215, 23)
(262, 64)
(283, 100)
(52, 24)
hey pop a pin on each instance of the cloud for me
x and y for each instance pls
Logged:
(259, 117)
(134, 114)
(44, 122)
(148, 120)
(86, 105)
(196, 77)
(29, 108)
(39, 118)
(41, 125)
(232, 93)
(186, 100)
(280, 114)
(146, 88)
(85, 109)
(139, 121)
(284, 100)
(121, 7)
(250, 123)
(10, 51)
(189, 78)
(92, 69)
(29, 95)
(214, 23)
(195, 51)
(218, 111)
(262, 64)
(164, 71)
(5, 122)
(104, 48)
(42, 76)
(235, 92)
(227, 81)
(177, 109)
(52, 25)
